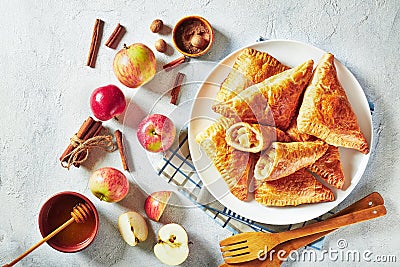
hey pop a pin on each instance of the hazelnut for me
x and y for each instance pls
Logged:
(156, 25)
(161, 45)
(198, 41)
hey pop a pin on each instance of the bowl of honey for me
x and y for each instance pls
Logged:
(56, 211)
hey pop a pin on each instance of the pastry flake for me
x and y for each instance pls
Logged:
(283, 159)
(233, 165)
(253, 137)
(326, 112)
(273, 101)
(250, 67)
(298, 188)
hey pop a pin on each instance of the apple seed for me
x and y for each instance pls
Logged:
(172, 238)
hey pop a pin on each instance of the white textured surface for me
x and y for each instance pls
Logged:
(45, 87)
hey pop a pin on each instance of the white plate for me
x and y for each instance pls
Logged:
(291, 53)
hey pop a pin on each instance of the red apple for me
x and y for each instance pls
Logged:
(156, 133)
(109, 184)
(107, 102)
(135, 65)
(155, 204)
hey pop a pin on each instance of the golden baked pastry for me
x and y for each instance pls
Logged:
(283, 159)
(296, 135)
(326, 112)
(253, 137)
(328, 166)
(233, 165)
(298, 188)
(271, 102)
(250, 67)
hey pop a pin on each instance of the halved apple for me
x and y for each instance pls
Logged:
(172, 246)
(155, 204)
(133, 227)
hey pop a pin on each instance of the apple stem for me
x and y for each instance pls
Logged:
(126, 47)
(100, 196)
(116, 118)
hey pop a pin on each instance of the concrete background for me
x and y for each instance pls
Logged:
(45, 88)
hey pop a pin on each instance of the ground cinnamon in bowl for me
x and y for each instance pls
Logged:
(193, 36)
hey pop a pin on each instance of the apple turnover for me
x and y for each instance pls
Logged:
(259, 136)
(233, 165)
(328, 166)
(326, 112)
(283, 159)
(273, 101)
(298, 188)
(250, 67)
(253, 137)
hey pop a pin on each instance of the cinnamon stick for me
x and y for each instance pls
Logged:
(87, 124)
(169, 66)
(177, 87)
(93, 131)
(95, 44)
(118, 138)
(116, 36)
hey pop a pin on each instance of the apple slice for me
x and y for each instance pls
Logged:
(172, 246)
(155, 204)
(133, 227)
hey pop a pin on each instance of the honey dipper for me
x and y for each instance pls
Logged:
(80, 213)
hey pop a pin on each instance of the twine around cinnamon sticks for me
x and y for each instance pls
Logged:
(83, 141)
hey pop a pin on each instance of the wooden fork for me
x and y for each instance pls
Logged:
(373, 199)
(249, 246)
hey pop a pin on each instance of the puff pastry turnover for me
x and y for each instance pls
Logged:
(233, 165)
(298, 188)
(274, 101)
(328, 166)
(283, 159)
(253, 137)
(296, 135)
(326, 112)
(250, 67)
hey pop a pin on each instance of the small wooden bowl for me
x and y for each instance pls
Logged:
(186, 19)
(57, 210)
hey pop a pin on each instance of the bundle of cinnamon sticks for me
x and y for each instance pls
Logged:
(87, 137)
(89, 129)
